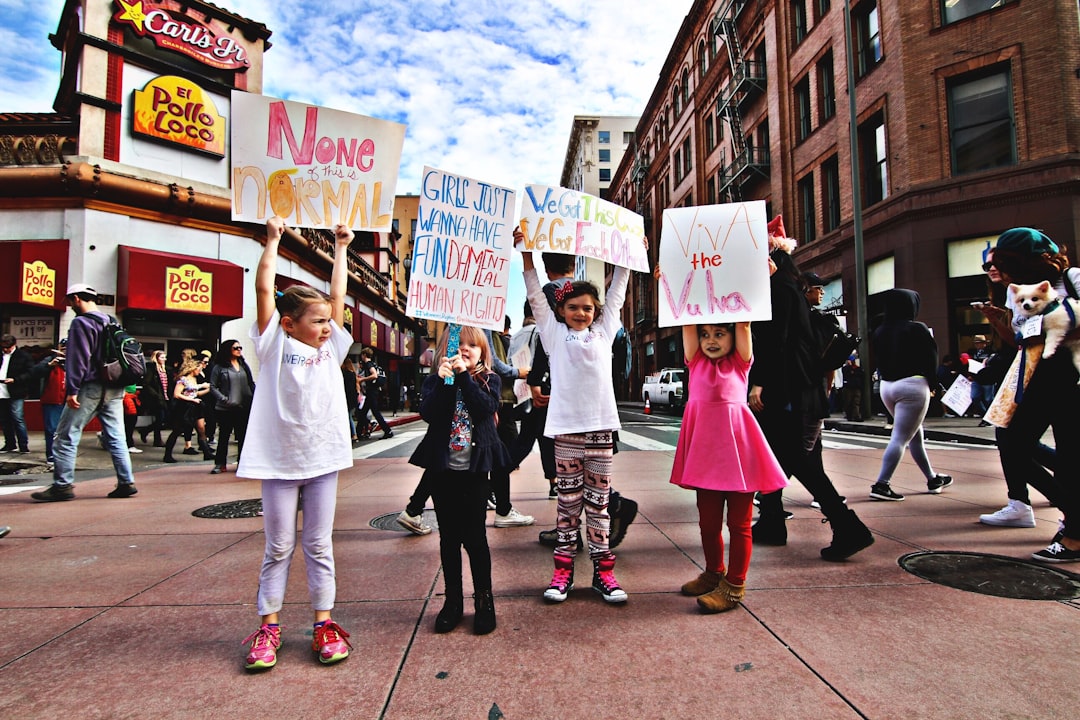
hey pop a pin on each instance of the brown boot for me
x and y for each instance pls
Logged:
(703, 583)
(724, 597)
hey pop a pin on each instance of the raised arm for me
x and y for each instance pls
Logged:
(744, 341)
(690, 342)
(264, 275)
(339, 277)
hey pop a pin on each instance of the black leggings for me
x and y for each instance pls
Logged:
(795, 439)
(461, 509)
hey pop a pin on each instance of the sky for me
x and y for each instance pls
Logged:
(487, 89)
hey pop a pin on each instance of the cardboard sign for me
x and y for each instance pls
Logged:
(312, 166)
(461, 252)
(714, 265)
(571, 222)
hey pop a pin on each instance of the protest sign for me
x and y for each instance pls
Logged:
(313, 166)
(714, 265)
(461, 252)
(571, 222)
(958, 397)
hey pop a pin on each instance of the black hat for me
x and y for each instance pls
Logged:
(812, 280)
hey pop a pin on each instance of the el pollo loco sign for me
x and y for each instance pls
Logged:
(189, 288)
(173, 109)
(172, 30)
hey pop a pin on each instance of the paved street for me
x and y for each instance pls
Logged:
(136, 608)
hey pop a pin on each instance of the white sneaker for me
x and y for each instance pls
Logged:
(413, 523)
(513, 519)
(134, 450)
(1015, 514)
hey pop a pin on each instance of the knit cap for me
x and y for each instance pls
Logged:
(1026, 241)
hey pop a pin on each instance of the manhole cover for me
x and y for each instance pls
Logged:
(993, 575)
(231, 510)
(389, 522)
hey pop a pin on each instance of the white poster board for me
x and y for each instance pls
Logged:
(461, 252)
(571, 222)
(313, 166)
(714, 265)
(958, 396)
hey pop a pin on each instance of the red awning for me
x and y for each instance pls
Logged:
(34, 273)
(154, 280)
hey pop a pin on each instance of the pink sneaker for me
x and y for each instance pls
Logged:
(330, 642)
(264, 644)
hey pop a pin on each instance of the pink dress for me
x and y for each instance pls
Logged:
(721, 446)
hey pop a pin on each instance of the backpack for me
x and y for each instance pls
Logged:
(119, 357)
(836, 345)
(380, 378)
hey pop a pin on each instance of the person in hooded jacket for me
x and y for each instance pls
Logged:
(907, 359)
(788, 397)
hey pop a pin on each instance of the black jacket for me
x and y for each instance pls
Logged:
(19, 367)
(220, 385)
(902, 346)
(437, 404)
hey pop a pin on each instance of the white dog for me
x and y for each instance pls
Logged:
(1060, 316)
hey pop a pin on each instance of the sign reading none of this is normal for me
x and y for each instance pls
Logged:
(714, 265)
(570, 222)
(461, 253)
(313, 166)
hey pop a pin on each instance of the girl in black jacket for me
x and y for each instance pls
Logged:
(460, 449)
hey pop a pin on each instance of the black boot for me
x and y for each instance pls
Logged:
(484, 620)
(450, 615)
(207, 452)
(169, 445)
(849, 536)
(770, 530)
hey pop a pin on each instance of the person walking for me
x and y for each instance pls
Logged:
(373, 385)
(51, 370)
(186, 412)
(15, 365)
(232, 387)
(154, 396)
(87, 397)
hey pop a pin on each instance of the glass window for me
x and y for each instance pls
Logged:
(688, 159)
(710, 134)
(798, 19)
(874, 159)
(953, 10)
(676, 101)
(605, 155)
(605, 174)
(802, 107)
(703, 58)
(628, 137)
(686, 87)
(867, 36)
(603, 137)
(830, 188)
(806, 209)
(678, 166)
(826, 74)
(822, 7)
(981, 129)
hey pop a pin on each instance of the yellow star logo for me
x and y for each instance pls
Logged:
(133, 13)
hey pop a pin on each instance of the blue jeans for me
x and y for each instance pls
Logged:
(11, 413)
(50, 415)
(108, 405)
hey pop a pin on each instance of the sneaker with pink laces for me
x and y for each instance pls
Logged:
(264, 644)
(562, 580)
(330, 642)
(604, 581)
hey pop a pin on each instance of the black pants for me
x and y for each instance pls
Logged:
(532, 430)
(1049, 400)
(500, 478)
(230, 420)
(461, 509)
(371, 405)
(796, 441)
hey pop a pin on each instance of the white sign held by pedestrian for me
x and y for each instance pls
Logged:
(958, 396)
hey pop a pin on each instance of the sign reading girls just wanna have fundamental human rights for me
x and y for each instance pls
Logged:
(313, 166)
(570, 222)
(461, 251)
(714, 265)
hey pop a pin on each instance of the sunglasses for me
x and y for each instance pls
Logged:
(237, 347)
(987, 265)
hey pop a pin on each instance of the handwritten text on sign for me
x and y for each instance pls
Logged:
(570, 222)
(461, 253)
(714, 265)
(313, 166)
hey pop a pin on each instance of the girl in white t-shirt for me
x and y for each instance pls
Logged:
(298, 440)
(582, 416)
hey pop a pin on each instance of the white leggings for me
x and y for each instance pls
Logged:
(282, 500)
(907, 400)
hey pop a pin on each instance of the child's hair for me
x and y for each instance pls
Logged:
(470, 336)
(296, 300)
(190, 366)
(577, 288)
(558, 263)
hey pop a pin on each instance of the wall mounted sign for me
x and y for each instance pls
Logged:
(38, 284)
(172, 30)
(178, 111)
(189, 288)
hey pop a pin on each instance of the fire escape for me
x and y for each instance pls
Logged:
(747, 82)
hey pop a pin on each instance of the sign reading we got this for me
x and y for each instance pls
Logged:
(313, 166)
(714, 265)
(461, 253)
(571, 222)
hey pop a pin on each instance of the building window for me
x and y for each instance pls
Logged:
(628, 138)
(688, 159)
(676, 101)
(702, 58)
(806, 209)
(678, 167)
(822, 7)
(710, 133)
(830, 188)
(605, 174)
(798, 19)
(981, 130)
(686, 87)
(867, 36)
(605, 155)
(710, 191)
(719, 125)
(874, 159)
(603, 137)
(802, 107)
(826, 75)
(953, 10)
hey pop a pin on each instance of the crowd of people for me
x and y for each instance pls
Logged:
(757, 398)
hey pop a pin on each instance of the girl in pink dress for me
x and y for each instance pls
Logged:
(726, 462)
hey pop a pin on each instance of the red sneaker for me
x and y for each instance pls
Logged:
(330, 642)
(264, 644)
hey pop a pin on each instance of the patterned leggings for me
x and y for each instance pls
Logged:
(583, 469)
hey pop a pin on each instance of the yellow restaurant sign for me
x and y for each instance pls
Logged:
(178, 111)
(38, 283)
(188, 288)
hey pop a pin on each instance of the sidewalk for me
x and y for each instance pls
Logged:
(136, 608)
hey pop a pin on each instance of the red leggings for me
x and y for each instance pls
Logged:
(740, 506)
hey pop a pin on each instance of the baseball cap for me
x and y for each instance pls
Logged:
(812, 279)
(81, 288)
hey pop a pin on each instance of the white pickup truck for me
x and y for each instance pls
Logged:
(664, 388)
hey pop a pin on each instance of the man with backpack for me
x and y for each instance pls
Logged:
(87, 396)
(374, 381)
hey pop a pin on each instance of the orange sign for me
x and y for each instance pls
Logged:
(373, 341)
(38, 283)
(176, 110)
(188, 288)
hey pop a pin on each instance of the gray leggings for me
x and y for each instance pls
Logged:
(907, 400)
